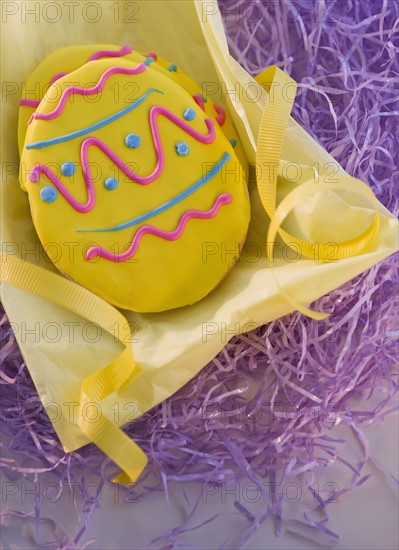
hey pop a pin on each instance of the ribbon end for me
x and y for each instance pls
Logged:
(129, 478)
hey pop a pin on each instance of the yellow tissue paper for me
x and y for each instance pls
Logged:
(63, 350)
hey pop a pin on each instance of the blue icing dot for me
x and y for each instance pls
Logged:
(189, 114)
(182, 149)
(149, 60)
(68, 169)
(233, 142)
(111, 184)
(133, 141)
(48, 194)
(172, 67)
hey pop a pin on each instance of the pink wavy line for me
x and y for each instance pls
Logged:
(87, 91)
(95, 251)
(29, 103)
(35, 103)
(110, 53)
(101, 53)
(156, 111)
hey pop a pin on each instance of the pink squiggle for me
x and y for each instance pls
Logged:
(110, 53)
(34, 102)
(87, 91)
(29, 103)
(156, 111)
(94, 251)
(221, 118)
(125, 50)
(221, 113)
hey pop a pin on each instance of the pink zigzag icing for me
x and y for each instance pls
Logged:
(39, 169)
(110, 53)
(125, 50)
(95, 251)
(87, 91)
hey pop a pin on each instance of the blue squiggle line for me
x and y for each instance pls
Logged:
(178, 198)
(96, 126)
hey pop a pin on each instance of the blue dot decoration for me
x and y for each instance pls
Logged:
(189, 114)
(233, 142)
(68, 169)
(182, 149)
(48, 194)
(133, 141)
(172, 68)
(111, 184)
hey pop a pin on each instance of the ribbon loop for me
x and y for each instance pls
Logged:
(270, 142)
(71, 296)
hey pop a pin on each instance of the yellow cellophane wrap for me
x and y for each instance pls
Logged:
(66, 351)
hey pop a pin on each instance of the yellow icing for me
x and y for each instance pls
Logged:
(163, 274)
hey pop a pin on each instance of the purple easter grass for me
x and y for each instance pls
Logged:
(309, 375)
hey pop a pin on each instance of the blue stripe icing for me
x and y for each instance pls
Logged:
(169, 204)
(93, 127)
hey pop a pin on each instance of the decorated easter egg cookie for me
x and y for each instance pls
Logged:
(139, 186)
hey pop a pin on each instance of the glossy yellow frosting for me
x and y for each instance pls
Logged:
(147, 227)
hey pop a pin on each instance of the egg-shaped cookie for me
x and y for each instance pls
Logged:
(136, 184)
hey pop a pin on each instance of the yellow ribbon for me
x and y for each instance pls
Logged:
(281, 92)
(71, 296)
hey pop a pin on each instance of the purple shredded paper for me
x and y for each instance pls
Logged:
(268, 407)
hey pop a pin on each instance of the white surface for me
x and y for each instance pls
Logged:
(365, 518)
